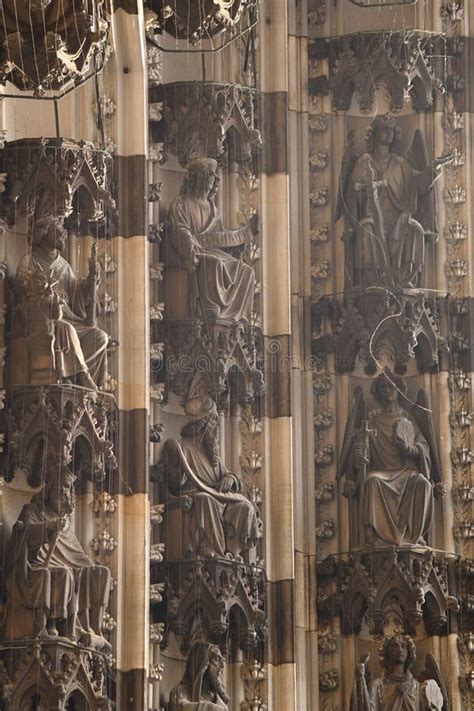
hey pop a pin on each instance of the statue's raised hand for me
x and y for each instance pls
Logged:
(362, 666)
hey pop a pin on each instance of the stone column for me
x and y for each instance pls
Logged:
(128, 82)
(279, 486)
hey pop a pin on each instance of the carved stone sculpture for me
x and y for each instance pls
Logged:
(54, 674)
(185, 20)
(361, 63)
(227, 352)
(55, 172)
(388, 204)
(208, 593)
(63, 421)
(53, 587)
(216, 518)
(390, 458)
(374, 325)
(56, 311)
(201, 686)
(220, 284)
(222, 117)
(397, 689)
(38, 49)
(381, 587)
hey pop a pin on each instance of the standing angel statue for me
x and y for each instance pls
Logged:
(397, 689)
(388, 202)
(391, 462)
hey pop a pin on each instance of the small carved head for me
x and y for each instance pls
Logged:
(383, 129)
(49, 231)
(205, 423)
(397, 649)
(202, 179)
(59, 492)
(387, 387)
(216, 663)
(204, 670)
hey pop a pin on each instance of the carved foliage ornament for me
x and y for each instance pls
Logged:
(192, 20)
(46, 44)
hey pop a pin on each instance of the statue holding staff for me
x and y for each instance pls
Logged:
(54, 302)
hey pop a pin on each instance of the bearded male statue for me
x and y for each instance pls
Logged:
(201, 688)
(220, 521)
(53, 587)
(221, 285)
(57, 309)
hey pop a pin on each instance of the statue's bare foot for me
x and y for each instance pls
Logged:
(43, 634)
(51, 629)
(233, 552)
(95, 641)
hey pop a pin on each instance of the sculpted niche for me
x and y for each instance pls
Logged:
(388, 203)
(54, 323)
(201, 688)
(397, 689)
(390, 461)
(53, 587)
(221, 285)
(216, 519)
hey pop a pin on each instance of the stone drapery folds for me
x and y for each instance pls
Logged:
(388, 202)
(217, 519)
(221, 285)
(57, 311)
(387, 460)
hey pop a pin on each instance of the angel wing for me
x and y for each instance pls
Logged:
(432, 671)
(418, 153)
(347, 166)
(422, 414)
(347, 464)
(419, 158)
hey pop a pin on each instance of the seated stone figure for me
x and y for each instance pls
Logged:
(396, 496)
(56, 311)
(389, 458)
(53, 587)
(397, 689)
(218, 519)
(201, 688)
(221, 284)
